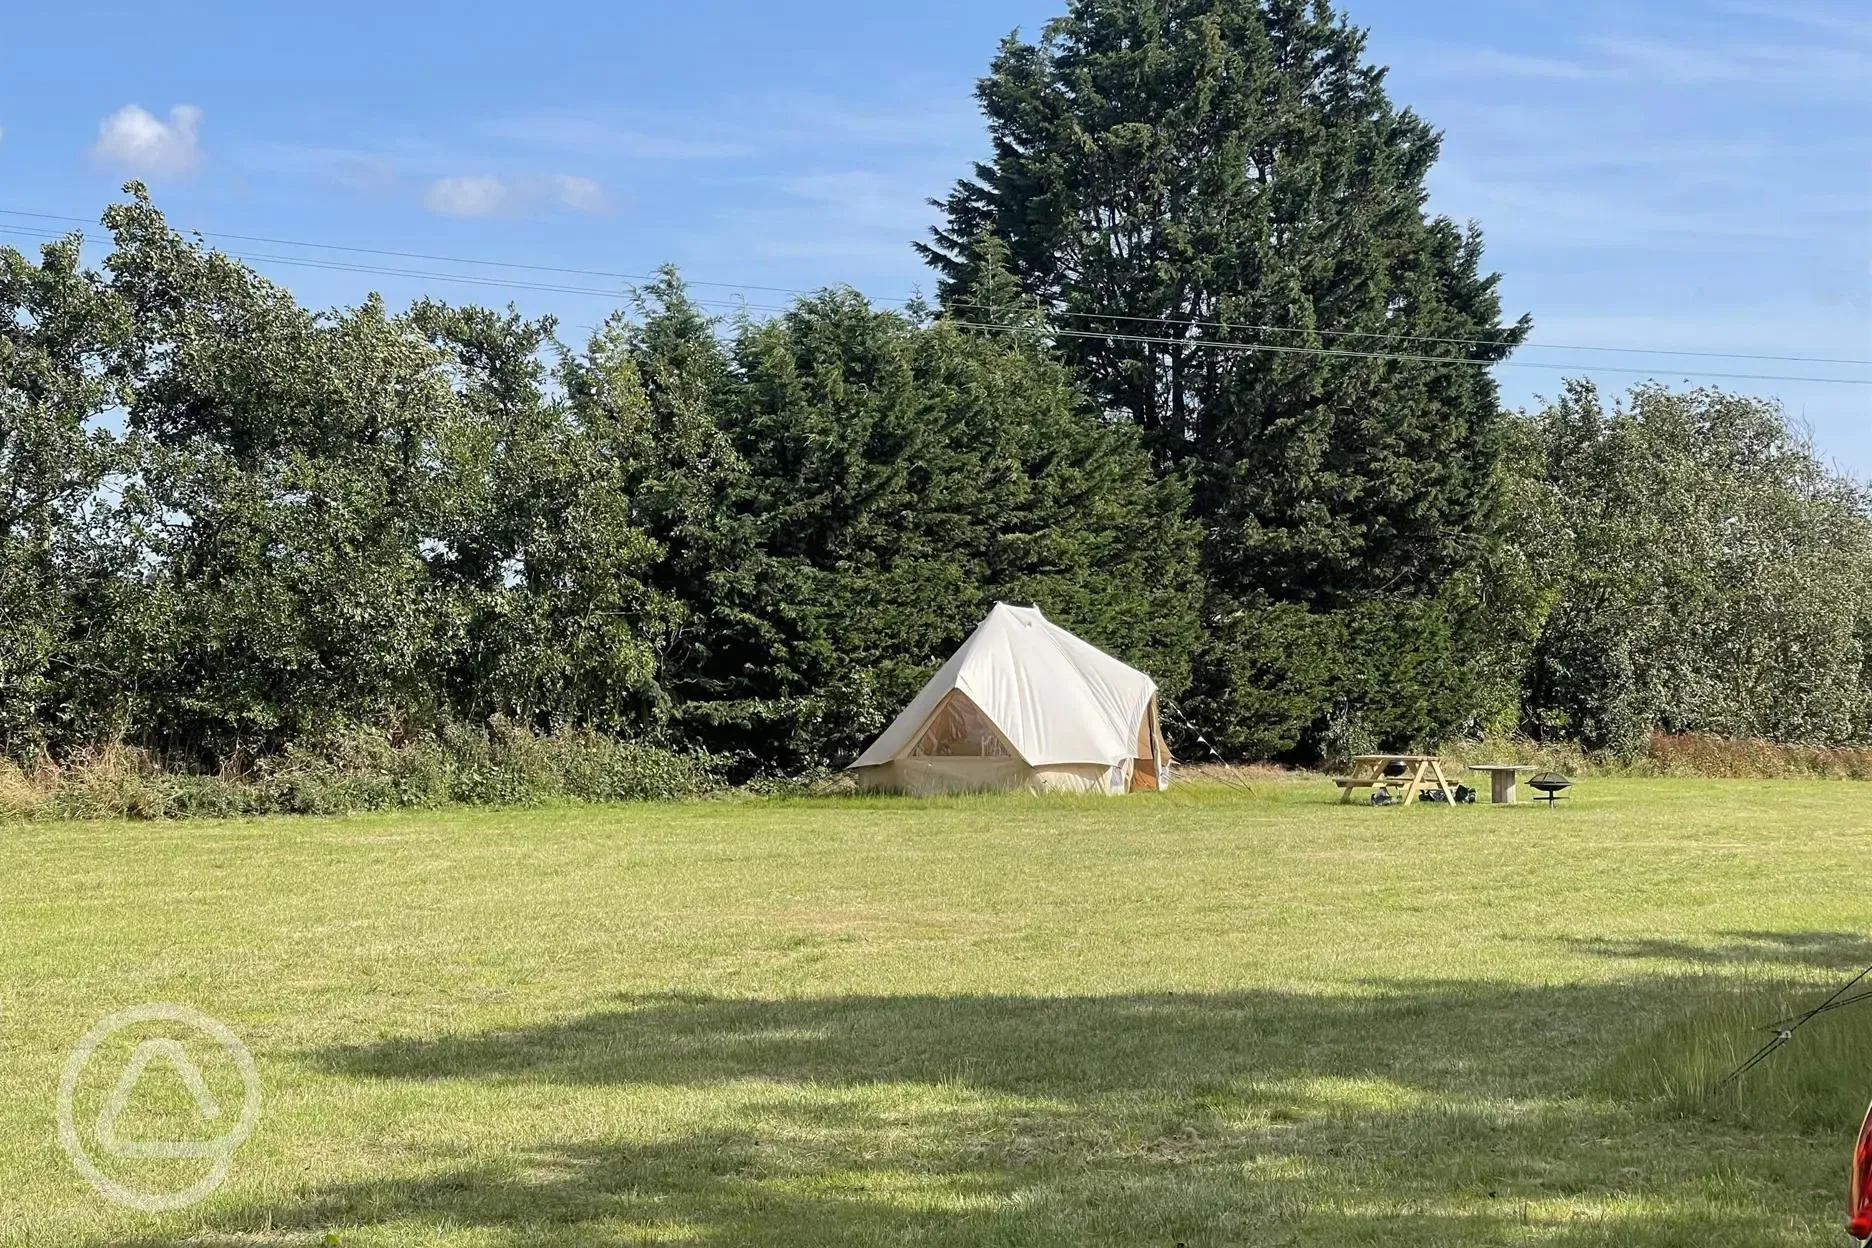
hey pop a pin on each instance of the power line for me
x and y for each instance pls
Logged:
(1167, 321)
(419, 255)
(1208, 344)
(342, 266)
(1054, 331)
(1179, 323)
(339, 266)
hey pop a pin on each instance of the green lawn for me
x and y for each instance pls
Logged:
(1207, 1018)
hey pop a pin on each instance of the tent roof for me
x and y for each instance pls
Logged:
(1055, 698)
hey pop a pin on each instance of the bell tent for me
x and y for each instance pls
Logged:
(1024, 704)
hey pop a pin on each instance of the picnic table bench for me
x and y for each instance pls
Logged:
(1368, 772)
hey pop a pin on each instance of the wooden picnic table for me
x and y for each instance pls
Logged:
(1502, 779)
(1368, 773)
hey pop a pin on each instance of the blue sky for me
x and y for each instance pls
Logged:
(1685, 175)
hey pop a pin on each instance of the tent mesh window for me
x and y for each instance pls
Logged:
(958, 729)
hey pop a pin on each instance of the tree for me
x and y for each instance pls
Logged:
(58, 326)
(541, 563)
(645, 396)
(881, 482)
(1223, 215)
(289, 466)
(1711, 574)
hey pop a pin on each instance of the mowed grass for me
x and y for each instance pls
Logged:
(1207, 1018)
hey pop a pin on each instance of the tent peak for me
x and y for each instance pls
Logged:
(1026, 615)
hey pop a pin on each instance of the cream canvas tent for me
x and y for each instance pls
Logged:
(1024, 704)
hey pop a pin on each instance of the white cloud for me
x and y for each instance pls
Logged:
(579, 194)
(134, 139)
(469, 197)
(489, 195)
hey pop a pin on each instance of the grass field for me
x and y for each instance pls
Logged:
(1202, 1019)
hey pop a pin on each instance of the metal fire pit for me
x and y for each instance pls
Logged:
(1551, 785)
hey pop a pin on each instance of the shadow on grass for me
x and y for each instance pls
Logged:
(1428, 1114)
(1828, 951)
(1440, 1038)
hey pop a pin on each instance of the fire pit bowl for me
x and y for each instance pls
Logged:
(1551, 785)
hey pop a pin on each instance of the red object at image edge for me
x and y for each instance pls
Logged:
(1859, 1208)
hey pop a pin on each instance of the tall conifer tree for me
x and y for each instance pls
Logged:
(1230, 180)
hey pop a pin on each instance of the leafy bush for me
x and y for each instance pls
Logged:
(1682, 754)
(502, 764)
(110, 783)
(1699, 754)
(359, 770)
(598, 769)
(1562, 756)
(20, 797)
